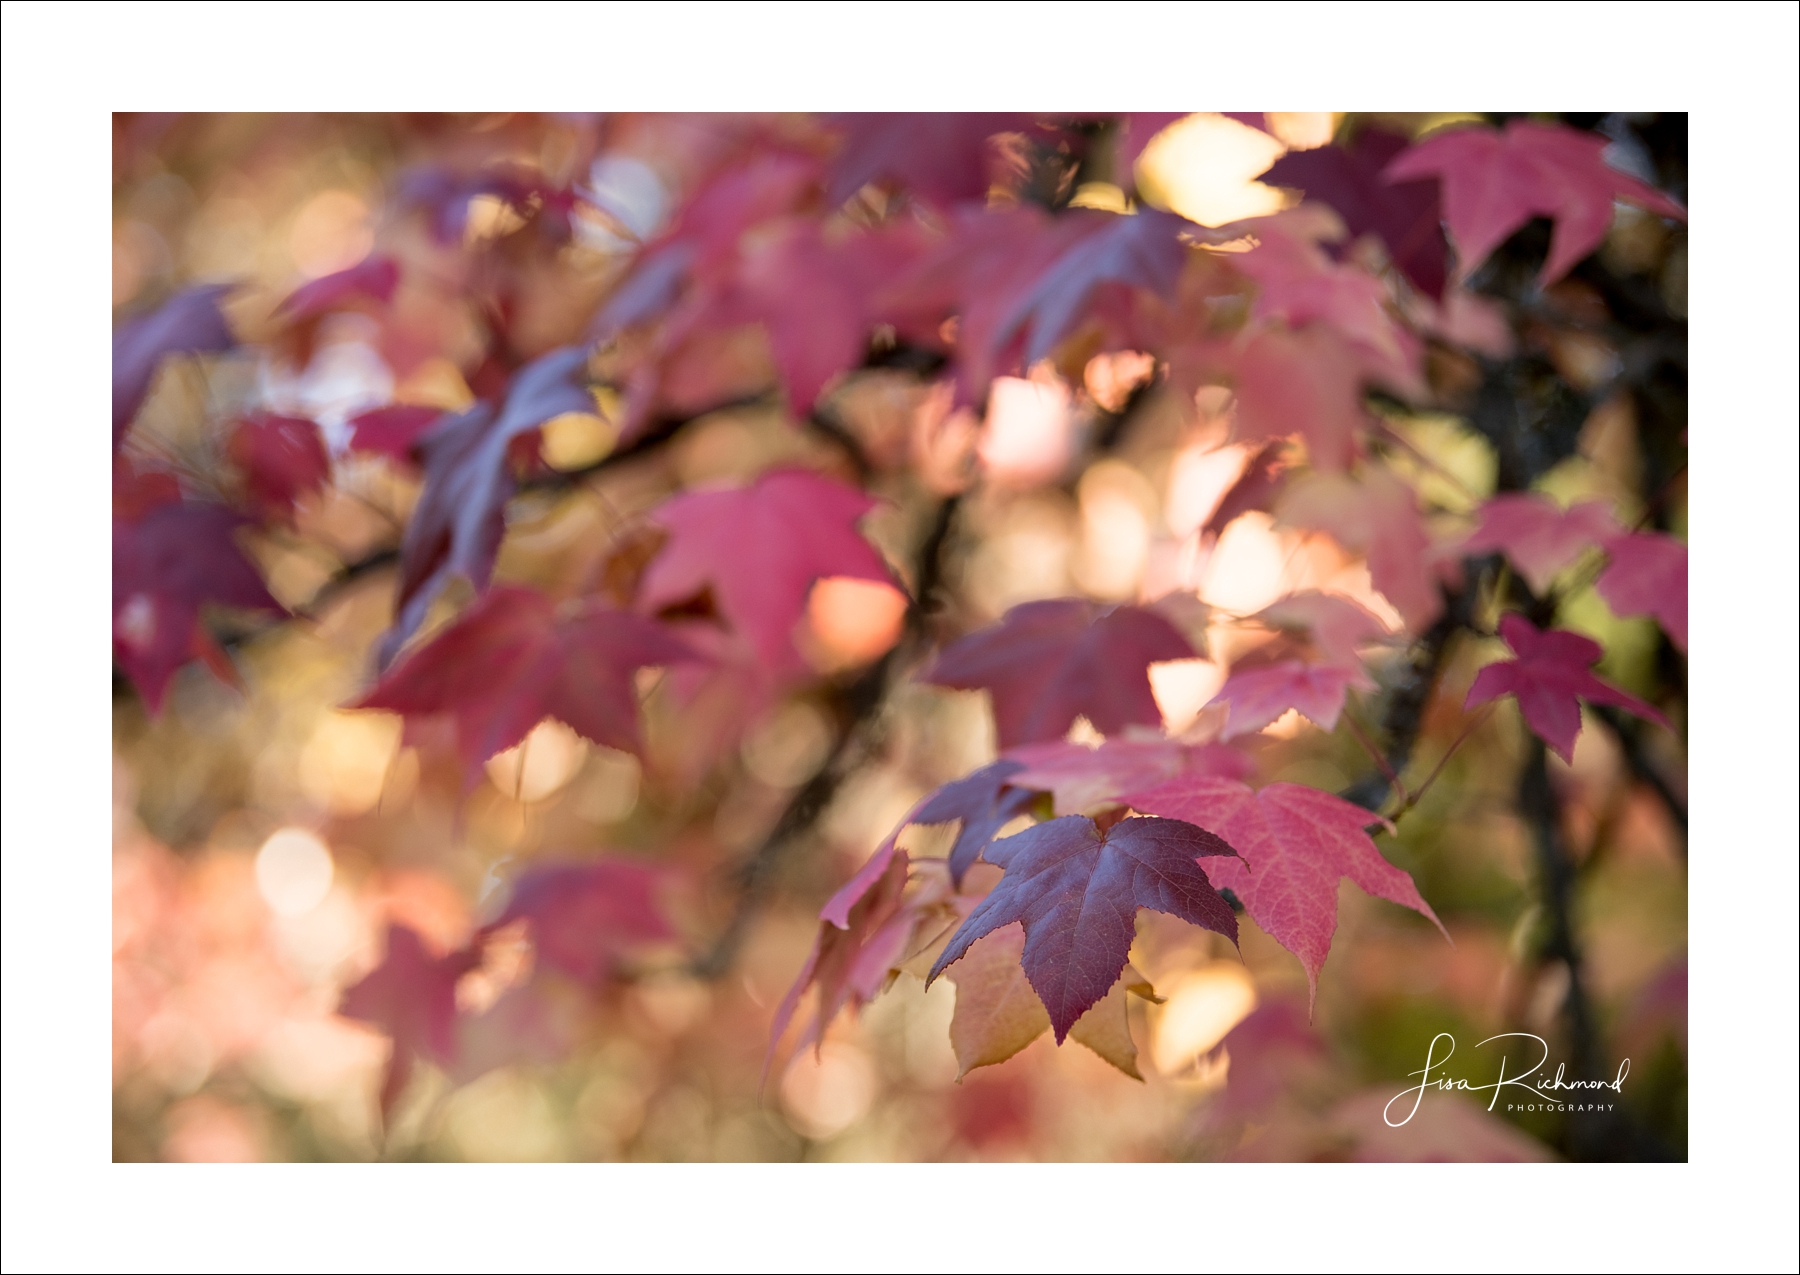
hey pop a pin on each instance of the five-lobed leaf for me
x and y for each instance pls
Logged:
(1295, 844)
(1494, 182)
(514, 658)
(760, 549)
(1549, 677)
(1047, 663)
(1077, 887)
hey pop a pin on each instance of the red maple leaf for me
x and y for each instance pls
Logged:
(1377, 515)
(703, 240)
(814, 296)
(866, 930)
(1077, 887)
(1336, 625)
(1308, 382)
(1296, 843)
(373, 279)
(1647, 575)
(461, 515)
(1539, 537)
(585, 916)
(759, 549)
(515, 658)
(943, 157)
(1549, 676)
(1047, 663)
(189, 322)
(169, 560)
(393, 431)
(1495, 182)
(1404, 215)
(979, 275)
(282, 458)
(1142, 250)
(1079, 778)
(1298, 285)
(411, 997)
(1258, 696)
(983, 802)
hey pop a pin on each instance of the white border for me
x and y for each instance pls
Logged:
(66, 67)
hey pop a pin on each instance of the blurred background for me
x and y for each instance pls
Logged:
(265, 836)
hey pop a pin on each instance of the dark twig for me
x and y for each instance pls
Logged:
(1629, 733)
(863, 700)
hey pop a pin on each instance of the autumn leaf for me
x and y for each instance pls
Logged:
(1376, 515)
(1259, 696)
(1140, 250)
(1404, 215)
(702, 243)
(515, 658)
(1549, 676)
(1295, 844)
(1647, 575)
(1079, 778)
(983, 802)
(457, 525)
(998, 1014)
(1265, 473)
(168, 562)
(815, 297)
(1336, 625)
(585, 916)
(189, 322)
(1494, 182)
(281, 458)
(411, 998)
(393, 431)
(760, 549)
(1308, 383)
(1077, 887)
(943, 157)
(1539, 537)
(867, 930)
(1047, 663)
(372, 279)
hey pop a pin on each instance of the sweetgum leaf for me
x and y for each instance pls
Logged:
(942, 157)
(513, 659)
(998, 1014)
(282, 458)
(1141, 250)
(373, 279)
(1552, 671)
(1647, 575)
(1047, 663)
(393, 431)
(168, 562)
(1077, 888)
(1258, 696)
(461, 515)
(189, 322)
(814, 296)
(983, 802)
(1539, 537)
(759, 549)
(1295, 844)
(585, 916)
(1494, 182)
(1079, 778)
(411, 997)
(1377, 515)
(1404, 215)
